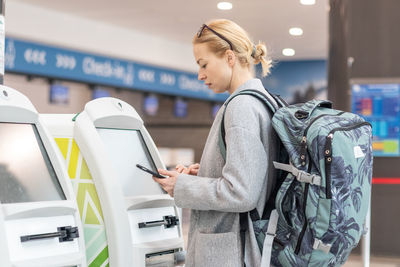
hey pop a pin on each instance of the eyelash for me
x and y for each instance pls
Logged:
(204, 66)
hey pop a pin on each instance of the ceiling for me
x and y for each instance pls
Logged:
(179, 20)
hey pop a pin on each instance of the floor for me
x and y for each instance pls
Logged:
(356, 261)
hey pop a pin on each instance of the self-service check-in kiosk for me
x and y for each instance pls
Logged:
(39, 219)
(142, 222)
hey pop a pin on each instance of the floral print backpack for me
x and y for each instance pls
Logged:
(323, 190)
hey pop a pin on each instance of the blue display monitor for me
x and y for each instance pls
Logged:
(59, 94)
(378, 102)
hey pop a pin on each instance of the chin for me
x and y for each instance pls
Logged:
(218, 91)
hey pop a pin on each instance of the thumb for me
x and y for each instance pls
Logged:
(165, 172)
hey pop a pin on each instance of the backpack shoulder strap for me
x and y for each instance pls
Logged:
(272, 102)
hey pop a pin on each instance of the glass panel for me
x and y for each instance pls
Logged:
(26, 174)
(127, 148)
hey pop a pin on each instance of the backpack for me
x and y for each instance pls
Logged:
(316, 213)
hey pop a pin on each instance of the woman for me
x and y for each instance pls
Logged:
(216, 191)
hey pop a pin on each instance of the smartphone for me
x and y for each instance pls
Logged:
(156, 174)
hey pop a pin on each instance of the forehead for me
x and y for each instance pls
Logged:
(201, 51)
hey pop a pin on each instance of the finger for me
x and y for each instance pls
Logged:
(196, 166)
(193, 168)
(179, 167)
(186, 171)
(166, 172)
(194, 172)
(159, 180)
(180, 170)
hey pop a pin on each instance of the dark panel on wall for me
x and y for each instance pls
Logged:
(186, 137)
(385, 220)
(364, 43)
(387, 167)
(198, 113)
(374, 38)
(188, 132)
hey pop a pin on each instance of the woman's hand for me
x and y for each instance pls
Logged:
(168, 184)
(192, 169)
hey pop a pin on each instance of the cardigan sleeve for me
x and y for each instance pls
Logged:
(244, 174)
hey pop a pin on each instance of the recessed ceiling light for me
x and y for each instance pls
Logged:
(288, 52)
(307, 2)
(224, 5)
(295, 31)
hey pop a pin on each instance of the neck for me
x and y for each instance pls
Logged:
(239, 77)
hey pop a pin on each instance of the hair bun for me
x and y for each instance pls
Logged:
(260, 51)
(260, 56)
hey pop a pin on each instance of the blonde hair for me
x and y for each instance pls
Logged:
(243, 47)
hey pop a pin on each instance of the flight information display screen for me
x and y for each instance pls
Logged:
(379, 104)
(26, 173)
(126, 148)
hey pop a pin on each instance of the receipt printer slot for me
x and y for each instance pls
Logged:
(64, 234)
(169, 258)
(167, 221)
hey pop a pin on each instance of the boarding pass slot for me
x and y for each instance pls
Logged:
(168, 222)
(64, 234)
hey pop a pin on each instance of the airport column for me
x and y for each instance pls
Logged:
(338, 78)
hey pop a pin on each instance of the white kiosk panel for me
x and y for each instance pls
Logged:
(40, 248)
(145, 235)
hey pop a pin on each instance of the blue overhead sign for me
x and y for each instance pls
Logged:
(37, 59)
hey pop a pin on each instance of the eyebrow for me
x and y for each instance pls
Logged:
(198, 61)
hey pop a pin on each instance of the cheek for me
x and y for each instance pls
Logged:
(224, 74)
(222, 71)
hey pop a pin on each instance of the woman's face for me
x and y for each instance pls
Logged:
(214, 71)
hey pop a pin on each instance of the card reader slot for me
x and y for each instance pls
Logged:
(64, 234)
(168, 222)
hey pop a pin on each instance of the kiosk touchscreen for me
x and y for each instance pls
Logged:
(39, 220)
(142, 223)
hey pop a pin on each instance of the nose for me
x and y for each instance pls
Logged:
(201, 76)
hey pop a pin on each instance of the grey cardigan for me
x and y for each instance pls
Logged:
(224, 189)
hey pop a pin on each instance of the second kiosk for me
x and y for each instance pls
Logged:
(142, 222)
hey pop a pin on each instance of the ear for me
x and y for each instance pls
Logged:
(230, 57)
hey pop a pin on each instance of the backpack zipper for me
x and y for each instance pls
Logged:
(316, 118)
(303, 229)
(328, 153)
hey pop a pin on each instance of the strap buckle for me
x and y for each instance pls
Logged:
(301, 176)
(318, 244)
(305, 177)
